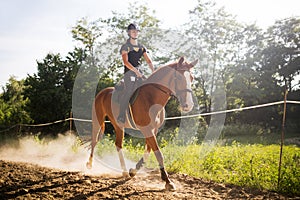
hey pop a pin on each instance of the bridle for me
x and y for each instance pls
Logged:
(172, 87)
(178, 91)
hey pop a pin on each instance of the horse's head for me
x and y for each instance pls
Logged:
(182, 84)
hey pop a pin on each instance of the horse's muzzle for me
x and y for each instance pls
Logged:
(185, 108)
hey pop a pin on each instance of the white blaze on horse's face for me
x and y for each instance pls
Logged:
(189, 104)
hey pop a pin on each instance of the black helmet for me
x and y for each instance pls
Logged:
(133, 26)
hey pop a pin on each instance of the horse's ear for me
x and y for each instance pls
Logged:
(192, 64)
(181, 59)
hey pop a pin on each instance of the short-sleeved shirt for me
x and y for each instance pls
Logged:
(135, 52)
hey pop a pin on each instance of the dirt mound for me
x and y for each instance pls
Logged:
(21, 180)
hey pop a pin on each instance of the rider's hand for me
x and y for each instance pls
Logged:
(138, 74)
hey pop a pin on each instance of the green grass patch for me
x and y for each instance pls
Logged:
(253, 165)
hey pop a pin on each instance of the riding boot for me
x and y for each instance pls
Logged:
(123, 109)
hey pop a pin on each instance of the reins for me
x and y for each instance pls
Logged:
(176, 90)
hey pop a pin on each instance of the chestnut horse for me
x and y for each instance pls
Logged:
(147, 112)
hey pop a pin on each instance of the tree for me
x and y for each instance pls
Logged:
(217, 38)
(13, 104)
(87, 33)
(50, 90)
(270, 63)
(282, 56)
(242, 78)
(279, 63)
(253, 65)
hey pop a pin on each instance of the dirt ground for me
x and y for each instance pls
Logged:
(35, 169)
(19, 180)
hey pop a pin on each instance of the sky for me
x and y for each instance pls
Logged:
(31, 29)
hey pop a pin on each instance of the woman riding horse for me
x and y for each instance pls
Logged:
(147, 112)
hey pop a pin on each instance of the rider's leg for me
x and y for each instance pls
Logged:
(129, 80)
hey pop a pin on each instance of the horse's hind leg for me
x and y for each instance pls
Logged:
(98, 127)
(141, 162)
(95, 139)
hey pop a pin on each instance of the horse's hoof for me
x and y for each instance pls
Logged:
(89, 165)
(125, 174)
(170, 186)
(132, 172)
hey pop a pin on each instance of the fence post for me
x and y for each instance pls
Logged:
(71, 121)
(282, 136)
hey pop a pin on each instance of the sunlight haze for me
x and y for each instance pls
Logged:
(32, 29)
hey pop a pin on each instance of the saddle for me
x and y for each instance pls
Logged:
(119, 91)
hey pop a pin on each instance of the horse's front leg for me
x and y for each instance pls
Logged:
(152, 142)
(164, 175)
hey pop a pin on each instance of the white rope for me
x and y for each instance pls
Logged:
(172, 118)
(233, 110)
(45, 124)
(81, 120)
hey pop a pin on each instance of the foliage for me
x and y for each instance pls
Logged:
(245, 165)
(282, 56)
(105, 146)
(219, 38)
(13, 104)
(251, 65)
(87, 33)
(50, 90)
(252, 133)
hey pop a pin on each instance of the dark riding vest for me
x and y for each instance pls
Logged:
(135, 52)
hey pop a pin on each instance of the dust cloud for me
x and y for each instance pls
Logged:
(62, 153)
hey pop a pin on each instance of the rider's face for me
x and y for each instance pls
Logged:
(133, 33)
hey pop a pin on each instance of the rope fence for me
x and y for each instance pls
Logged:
(167, 118)
(285, 102)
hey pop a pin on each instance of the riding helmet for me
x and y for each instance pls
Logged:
(133, 26)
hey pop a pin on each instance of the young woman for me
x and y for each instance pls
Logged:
(132, 52)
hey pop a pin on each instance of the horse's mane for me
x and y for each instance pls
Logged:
(156, 75)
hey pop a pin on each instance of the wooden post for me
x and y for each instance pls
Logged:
(70, 121)
(282, 136)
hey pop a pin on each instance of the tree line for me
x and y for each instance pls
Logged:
(251, 65)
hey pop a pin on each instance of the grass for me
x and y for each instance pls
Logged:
(248, 158)
(252, 165)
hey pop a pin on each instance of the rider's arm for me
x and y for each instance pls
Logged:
(128, 64)
(148, 60)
